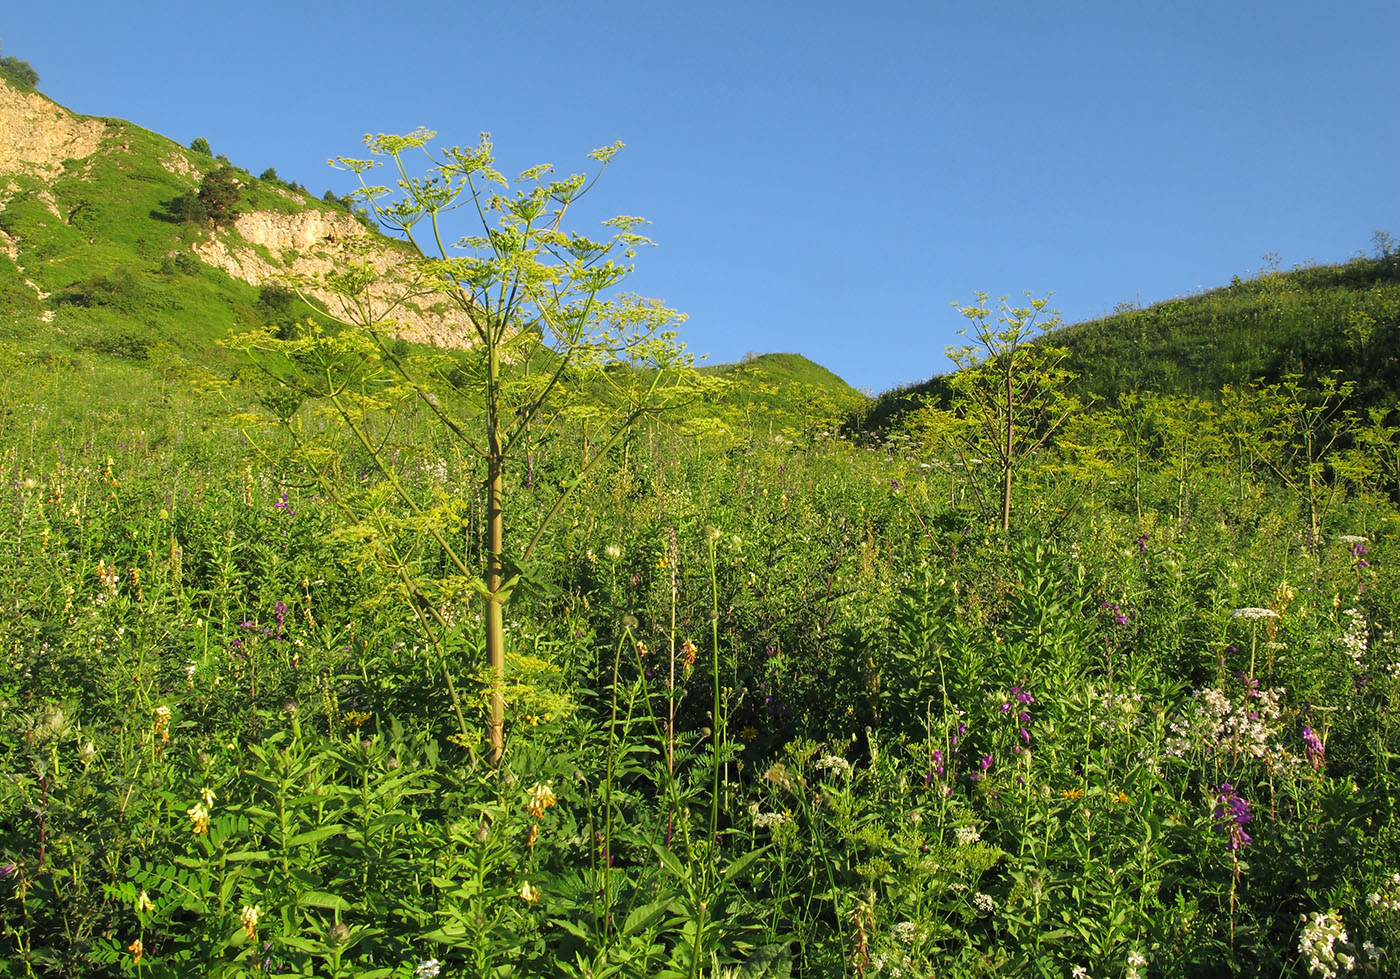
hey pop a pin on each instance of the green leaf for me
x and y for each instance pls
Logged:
(767, 962)
(645, 916)
(738, 866)
(576, 929)
(669, 861)
(322, 899)
(316, 835)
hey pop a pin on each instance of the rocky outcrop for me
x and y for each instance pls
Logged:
(266, 247)
(39, 135)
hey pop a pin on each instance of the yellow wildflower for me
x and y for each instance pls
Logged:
(199, 818)
(137, 950)
(688, 653)
(1122, 797)
(1072, 794)
(249, 917)
(207, 795)
(143, 903)
(528, 893)
(541, 798)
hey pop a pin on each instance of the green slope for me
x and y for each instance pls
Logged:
(104, 262)
(1310, 321)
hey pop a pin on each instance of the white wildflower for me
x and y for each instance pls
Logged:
(767, 820)
(1355, 638)
(904, 932)
(1322, 933)
(428, 969)
(833, 763)
(1253, 614)
(966, 835)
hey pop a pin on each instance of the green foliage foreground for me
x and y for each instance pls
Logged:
(791, 710)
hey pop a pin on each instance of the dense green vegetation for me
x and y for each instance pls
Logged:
(939, 747)
(777, 701)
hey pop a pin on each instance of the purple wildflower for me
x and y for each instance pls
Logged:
(1232, 810)
(986, 762)
(1312, 744)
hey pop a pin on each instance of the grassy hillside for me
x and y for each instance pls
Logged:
(1310, 321)
(97, 253)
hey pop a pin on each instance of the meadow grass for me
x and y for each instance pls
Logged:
(779, 704)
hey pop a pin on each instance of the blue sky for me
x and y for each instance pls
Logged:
(824, 178)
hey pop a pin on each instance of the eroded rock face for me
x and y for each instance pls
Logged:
(264, 247)
(36, 135)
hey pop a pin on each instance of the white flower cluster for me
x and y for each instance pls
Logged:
(884, 965)
(1321, 935)
(1136, 960)
(1213, 722)
(1386, 900)
(428, 969)
(436, 471)
(966, 835)
(904, 932)
(1253, 614)
(984, 902)
(833, 763)
(1355, 638)
(767, 820)
(1116, 713)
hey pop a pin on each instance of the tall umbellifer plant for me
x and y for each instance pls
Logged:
(1010, 392)
(544, 339)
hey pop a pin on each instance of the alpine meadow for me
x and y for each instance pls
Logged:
(388, 592)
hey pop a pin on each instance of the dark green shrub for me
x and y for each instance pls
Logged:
(19, 73)
(119, 289)
(219, 193)
(201, 145)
